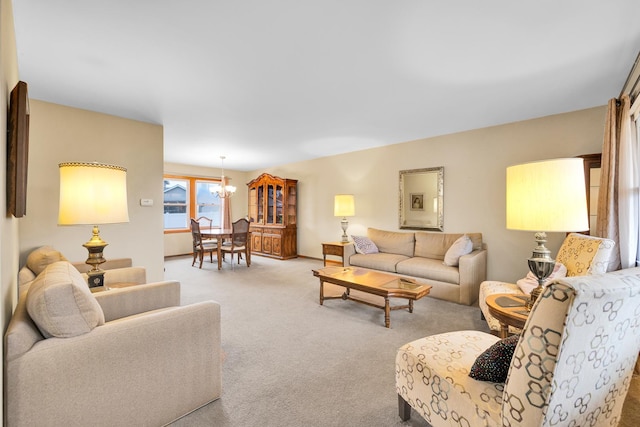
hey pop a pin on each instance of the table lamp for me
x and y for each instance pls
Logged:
(93, 194)
(344, 206)
(542, 196)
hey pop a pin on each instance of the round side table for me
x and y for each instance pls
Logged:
(509, 309)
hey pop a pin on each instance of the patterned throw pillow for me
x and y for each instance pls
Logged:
(364, 245)
(493, 364)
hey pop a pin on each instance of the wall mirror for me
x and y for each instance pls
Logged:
(421, 197)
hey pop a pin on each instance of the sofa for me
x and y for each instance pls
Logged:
(421, 256)
(125, 356)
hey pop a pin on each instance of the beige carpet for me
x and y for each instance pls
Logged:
(291, 362)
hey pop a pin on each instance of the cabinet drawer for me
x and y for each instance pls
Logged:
(333, 250)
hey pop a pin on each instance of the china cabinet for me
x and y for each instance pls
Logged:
(272, 216)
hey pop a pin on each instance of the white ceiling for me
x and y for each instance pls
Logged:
(271, 82)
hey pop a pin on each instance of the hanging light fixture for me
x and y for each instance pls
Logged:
(222, 190)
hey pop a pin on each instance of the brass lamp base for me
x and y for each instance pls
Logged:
(95, 246)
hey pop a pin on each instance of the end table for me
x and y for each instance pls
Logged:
(509, 309)
(336, 249)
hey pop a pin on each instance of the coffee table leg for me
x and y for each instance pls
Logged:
(410, 306)
(387, 317)
(321, 292)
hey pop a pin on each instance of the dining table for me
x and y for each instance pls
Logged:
(219, 234)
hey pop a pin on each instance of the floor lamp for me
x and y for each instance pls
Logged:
(93, 194)
(546, 196)
(344, 206)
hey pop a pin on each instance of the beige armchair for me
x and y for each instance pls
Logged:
(129, 356)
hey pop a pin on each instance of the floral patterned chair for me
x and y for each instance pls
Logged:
(571, 365)
(581, 255)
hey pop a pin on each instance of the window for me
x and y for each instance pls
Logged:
(188, 197)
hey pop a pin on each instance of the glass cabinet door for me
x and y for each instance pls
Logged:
(291, 205)
(270, 207)
(260, 219)
(279, 205)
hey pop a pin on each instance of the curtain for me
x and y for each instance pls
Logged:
(225, 218)
(618, 208)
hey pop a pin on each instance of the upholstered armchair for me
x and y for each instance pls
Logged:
(579, 255)
(572, 364)
(123, 357)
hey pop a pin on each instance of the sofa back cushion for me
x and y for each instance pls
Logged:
(60, 303)
(435, 245)
(393, 242)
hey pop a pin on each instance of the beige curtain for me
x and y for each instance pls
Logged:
(225, 221)
(617, 201)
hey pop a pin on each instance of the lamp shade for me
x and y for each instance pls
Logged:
(92, 193)
(548, 195)
(344, 205)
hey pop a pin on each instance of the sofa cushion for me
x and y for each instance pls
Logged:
(380, 261)
(429, 269)
(584, 255)
(435, 245)
(60, 303)
(462, 246)
(40, 258)
(364, 245)
(393, 242)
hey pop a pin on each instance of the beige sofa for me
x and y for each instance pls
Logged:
(128, 356)
(420, 255)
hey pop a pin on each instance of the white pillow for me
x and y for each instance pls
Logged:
(364, 245)
(528, 283)
(462, 246)
(61, 304)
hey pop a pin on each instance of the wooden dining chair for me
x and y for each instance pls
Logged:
(206, 223)
(201, 247)
(239, 242)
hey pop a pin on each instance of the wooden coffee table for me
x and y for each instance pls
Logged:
(509, 309)
(372, 282)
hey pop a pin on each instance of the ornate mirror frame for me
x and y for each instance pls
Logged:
(421, 199)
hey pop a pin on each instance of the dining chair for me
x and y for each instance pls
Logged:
(239, 241)
(200, 247)
(205, 222)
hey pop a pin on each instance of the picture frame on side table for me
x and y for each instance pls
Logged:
(17, 150)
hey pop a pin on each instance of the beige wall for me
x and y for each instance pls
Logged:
(474, 174)
(180, 243)
(64, 134)
(8, 224)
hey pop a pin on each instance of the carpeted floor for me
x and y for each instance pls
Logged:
(291, 362)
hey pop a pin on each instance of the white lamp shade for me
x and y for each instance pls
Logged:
(92, 193)
(344, 205)
(548, 195)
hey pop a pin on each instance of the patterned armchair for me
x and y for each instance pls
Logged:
(572, 364)
(581, 255)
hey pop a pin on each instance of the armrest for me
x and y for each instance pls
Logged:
(473, 271)
(123, 302)
(348, 251)
(103, 371)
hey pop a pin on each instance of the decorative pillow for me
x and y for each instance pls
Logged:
(462, 246)
(530, 281)
(40, 258)
(60, 303)
(493, 364)
(364, 245)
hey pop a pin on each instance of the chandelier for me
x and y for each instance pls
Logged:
(222, 190)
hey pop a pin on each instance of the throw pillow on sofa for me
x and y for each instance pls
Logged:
(364, 245)
(462, 246)
(60, 303)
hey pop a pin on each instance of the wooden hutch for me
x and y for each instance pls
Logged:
(272, 216)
